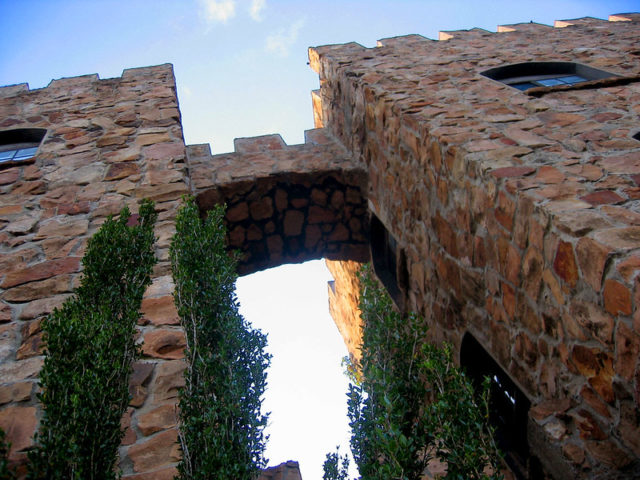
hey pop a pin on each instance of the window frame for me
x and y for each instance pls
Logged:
(508, 405)
(530, 72)
(388, 260)
(17, 140)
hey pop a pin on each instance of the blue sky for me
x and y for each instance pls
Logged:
(241, 69)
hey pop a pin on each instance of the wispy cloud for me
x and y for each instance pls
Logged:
(218, 10)
(185, 91)
(281, 41)
(257, 6)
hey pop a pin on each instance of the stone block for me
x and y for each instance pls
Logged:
(617, 298)
(40, 289)
(164, 343)
(160, 311)
(627, 351)
(160, 418)
(19, 424)
(159, 450)
(594, 320)
(592, 258)
(169, 378)
(15, 392)
(41, 271)
(564, 263)
(139, 381)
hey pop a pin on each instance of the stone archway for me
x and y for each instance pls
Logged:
(285, 204)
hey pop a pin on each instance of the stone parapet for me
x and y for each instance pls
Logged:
(518, 216)
(285, 204)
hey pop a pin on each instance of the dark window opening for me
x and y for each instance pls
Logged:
(524, 76)
(508, 405)
(384, 256)
(637, 136)
(19, 146)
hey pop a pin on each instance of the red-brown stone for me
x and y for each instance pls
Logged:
(629, 267)
(548, 174)
(293, 222)
(592, 257)
(617, 298)
(41, 307)
(261, 209)
(505, 210)
(602, 197)
(565, 264)
(508, 172)
(19, 424)
(160, 418)
(160, 311)
(164, 343)
(588, 426)
(9, 176)
(122, 170)
(592, 399)
(32, 343)
(169, 378)
(125, 424)
(15, 392)
(237, 213)
(607, 452)
(168, 473)
(32, 290)
(5, 313)
(592, 318)
(139, 381)
(62, 227)
(627, 351)
(41, 271)
(320, 215)
(161, 449)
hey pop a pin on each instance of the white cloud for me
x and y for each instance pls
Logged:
(282, 41)
(257, 6)
(185, 91)
(218, 10)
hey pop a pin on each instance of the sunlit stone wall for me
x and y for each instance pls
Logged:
(517, 214)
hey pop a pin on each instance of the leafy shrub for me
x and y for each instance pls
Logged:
(90, 347)
(411, 402)
(336, 466)
(5, 473)
(221, 424)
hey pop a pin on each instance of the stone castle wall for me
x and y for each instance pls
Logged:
(109, 143)
(517, 214)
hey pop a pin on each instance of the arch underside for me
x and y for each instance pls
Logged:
(294, 217)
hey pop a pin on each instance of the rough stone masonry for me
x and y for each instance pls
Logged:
(515, 218)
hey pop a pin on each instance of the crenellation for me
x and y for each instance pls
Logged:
(464, 35)
(12, 90)
(525, 27)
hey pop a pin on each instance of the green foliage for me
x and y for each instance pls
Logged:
(336, 467)
(389, 432)
(411, 402)
(5, 473)
(221, 424)
(458, 418)
(90, 347)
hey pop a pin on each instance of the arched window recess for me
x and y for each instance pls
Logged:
(19, 145)
(524, 76)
